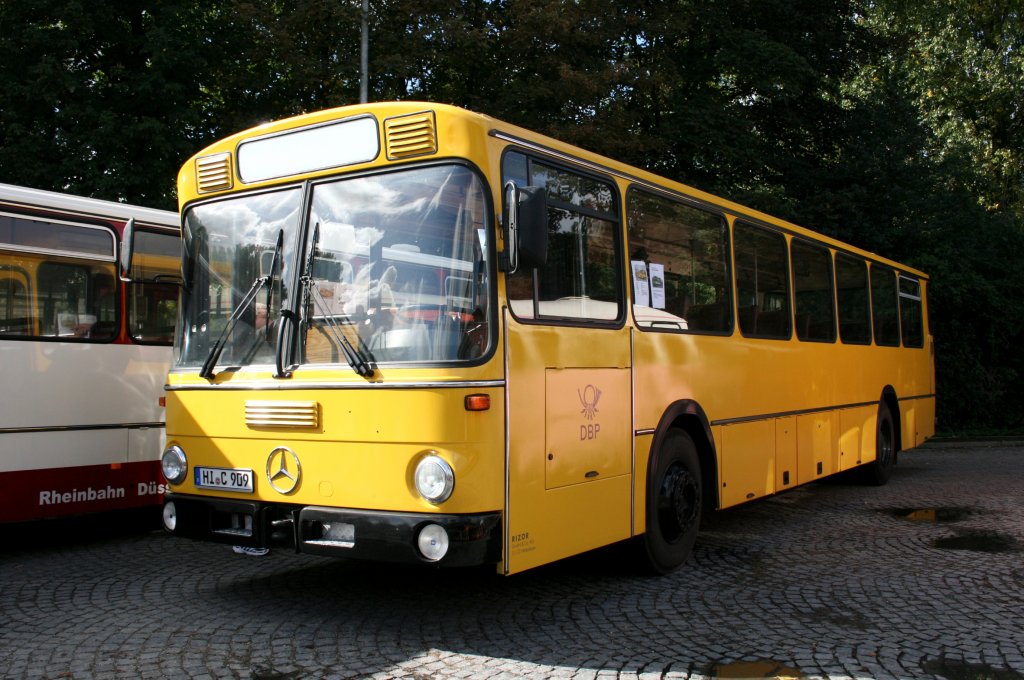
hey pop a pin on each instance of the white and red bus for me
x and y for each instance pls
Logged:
(84, 356)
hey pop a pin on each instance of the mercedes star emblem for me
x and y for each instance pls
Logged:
(283, 470)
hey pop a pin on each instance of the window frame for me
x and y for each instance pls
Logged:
(788, 296)
(817, 245)
(867, 309)
(615, 217)
(919, 299)
(730, 314)
(43, 256)
(878, 266)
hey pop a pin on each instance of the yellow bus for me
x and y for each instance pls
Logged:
(413, 333)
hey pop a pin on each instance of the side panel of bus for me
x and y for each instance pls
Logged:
(89, 442)
(80, 424)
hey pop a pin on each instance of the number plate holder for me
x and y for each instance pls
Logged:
(239, 480)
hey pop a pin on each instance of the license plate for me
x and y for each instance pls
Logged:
(225, 479)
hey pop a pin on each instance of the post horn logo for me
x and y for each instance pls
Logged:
(589, 396)
(283, 470)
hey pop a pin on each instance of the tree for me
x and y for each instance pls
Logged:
(101, 98)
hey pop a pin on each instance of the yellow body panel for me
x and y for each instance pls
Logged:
(745, 477)
(586, 420)
(355, 458)
(857, 435)
(785, 453)
(557, 510)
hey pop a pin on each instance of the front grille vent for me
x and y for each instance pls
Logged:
(411, 135)
(284, 414)
(213, 173)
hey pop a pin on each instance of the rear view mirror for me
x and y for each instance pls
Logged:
(124, 262)
(527, 226)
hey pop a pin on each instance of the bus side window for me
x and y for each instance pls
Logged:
(762, 282)
(812, 287)
(885, 306)
(153, 297)
(104, 306)
(679, 260)
(16, 317)
(582, 278)
(911, 321)
(75, 297)
(853, 299)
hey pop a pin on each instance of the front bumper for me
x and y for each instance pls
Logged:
(370, 534)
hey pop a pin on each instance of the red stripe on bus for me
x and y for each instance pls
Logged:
(37, 494)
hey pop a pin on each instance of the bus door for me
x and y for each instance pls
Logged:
(569, 476)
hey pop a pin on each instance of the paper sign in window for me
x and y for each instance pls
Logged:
(641, 286)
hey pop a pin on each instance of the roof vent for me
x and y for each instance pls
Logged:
(214, 172)
(411, 135)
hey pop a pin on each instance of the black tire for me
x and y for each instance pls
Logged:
(674, 503)
(878, 471)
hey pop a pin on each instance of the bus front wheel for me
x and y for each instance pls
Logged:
(674, 500)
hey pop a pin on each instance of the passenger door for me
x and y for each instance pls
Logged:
(569, 473)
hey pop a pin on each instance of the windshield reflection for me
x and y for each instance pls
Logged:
(394, 269)
(401, 263)
(228, 246)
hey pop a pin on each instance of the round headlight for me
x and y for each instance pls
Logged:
(435, 479)
(174, 464)
(433, 542)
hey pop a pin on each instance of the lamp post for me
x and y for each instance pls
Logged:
(364, 54)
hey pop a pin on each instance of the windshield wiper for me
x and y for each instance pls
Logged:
(358, 359)
(218, 347)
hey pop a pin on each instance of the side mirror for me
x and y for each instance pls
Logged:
(124, 262)
(527, 226)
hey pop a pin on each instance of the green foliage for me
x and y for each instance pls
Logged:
(894, 125)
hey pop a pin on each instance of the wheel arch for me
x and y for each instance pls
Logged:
(687, 415)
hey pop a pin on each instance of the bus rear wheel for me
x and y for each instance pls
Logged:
(878, 471)
(674, 501)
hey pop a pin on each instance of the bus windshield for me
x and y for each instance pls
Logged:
(394, 269)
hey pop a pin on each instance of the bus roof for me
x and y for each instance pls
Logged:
(91, 207)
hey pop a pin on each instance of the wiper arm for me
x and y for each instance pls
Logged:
(359, 361)
(243, 305)
(211, 361)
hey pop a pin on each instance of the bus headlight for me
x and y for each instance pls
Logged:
(174, 464)
(434, 479)
(432, 542)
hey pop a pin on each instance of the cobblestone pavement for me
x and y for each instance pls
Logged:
(831, 580)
